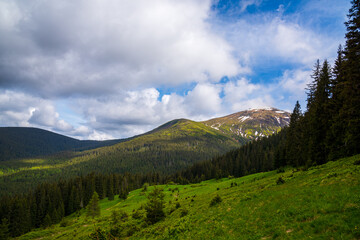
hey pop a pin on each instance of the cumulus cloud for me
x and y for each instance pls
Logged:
(96, 47)
(271, 38)
(19, 109)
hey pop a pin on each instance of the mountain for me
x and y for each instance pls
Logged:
(23, 142)
(166, 149)
(251, 124)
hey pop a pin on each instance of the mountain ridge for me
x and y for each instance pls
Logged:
(25, 142)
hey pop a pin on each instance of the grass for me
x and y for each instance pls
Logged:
(322, 202)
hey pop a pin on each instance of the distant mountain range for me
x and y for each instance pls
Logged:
(32, 155)
(24, 142)
(238, 128)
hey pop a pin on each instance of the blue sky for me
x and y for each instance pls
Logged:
(112, 69)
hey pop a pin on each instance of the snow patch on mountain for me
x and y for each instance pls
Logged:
(243, 118)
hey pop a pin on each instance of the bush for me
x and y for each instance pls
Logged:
(98, 234)
(64, 223)
(118, 216)
(280, 170)
(184, 212)
(280, 180)
(145, 187)
(137, 214)
(217, 199)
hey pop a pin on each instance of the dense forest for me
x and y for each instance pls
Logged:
(327, 130)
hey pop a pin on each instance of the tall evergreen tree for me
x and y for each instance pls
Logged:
(350, 112)
(318, 117)
(335, 135)
(93, 208)
(294, 138)
(155, 206)
(4, 229)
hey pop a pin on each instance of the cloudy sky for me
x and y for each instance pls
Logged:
(101, 69)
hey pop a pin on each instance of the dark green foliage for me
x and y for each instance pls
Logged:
(155, 206)
(137, 214)
(216, 200)
(280, 180)
(93, 208)
(184, 212)
(98, 234)
(118, 216)
(47, 221)
(145, 187)
(110, 189)
(4, 229)
(64, 222)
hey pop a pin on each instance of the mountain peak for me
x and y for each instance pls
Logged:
(251, 123)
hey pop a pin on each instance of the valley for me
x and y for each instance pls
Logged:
(166, 149)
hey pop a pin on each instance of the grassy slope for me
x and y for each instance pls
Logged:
(167, 149)
(320, 203)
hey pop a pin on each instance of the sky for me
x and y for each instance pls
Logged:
(104, 69)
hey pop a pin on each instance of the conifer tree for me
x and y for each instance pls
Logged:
(4, 229)
(155, 206)
(110, 189)
(335, 136)
(350, 112)
(319, 116)
(294, 138)
(93, 208)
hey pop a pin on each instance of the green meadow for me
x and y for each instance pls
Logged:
(322, 202)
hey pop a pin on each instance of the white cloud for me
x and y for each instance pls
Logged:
(246, 3)
(204, 99)
(270, 39)
(19, 109)
(98, 47)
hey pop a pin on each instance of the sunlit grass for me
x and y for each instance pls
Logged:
(320, 203)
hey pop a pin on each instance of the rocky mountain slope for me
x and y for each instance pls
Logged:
(250, 124)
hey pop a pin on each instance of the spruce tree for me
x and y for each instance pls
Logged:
(93, 208)
(319, 117)
(335, 136)
(294, 138)
(4, 229)
(155, 206)
(350, 112)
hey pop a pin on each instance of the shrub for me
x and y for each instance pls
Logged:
(184, 212)
(64, 223)
(137, 214)
(145, 187)
(98, 234)
(217, 199)
(280, 180)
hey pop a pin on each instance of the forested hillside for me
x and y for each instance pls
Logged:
(167, 149)
(21, 142)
